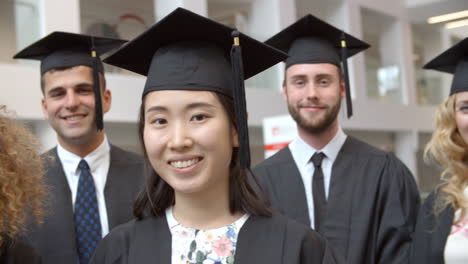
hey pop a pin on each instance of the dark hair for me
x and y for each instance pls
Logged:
(102, 78)
(158, 195)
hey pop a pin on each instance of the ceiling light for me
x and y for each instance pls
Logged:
(456, 24)
(447, 17)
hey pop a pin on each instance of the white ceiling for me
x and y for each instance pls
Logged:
(421, 10)
(416, 3)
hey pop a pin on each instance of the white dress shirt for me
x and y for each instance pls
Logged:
(302, 152)
(98, 161)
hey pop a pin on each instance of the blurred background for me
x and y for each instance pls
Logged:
(394, 99)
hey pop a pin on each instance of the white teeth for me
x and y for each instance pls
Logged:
(183, 164)
(74, 118)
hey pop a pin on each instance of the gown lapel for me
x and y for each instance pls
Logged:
(339, 205)
(253, 248)
(152, 242)
(291, 191)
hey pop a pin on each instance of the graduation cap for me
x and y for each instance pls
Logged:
(185, 51)
(63, 50)
(455, 61)
(311, 40)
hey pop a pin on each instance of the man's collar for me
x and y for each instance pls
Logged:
(302, 151)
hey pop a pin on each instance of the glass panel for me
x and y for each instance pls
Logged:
(426, 45)
(266, 80)
(383, 140)
(19, 26)
(256, 145)
(428, 174)
(116, 19)
(383, 70)
(27, 21)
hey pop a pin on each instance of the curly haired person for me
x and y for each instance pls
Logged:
(21, 188)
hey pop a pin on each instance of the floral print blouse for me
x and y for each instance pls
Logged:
(193, 246)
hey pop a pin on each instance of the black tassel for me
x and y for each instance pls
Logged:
(97, 89)
(240, 102)
(344, 61)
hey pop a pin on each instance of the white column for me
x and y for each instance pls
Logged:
(408, 74)
(357, 69)
(406, 147)
(446, 43)
(164, 7)
(268, 17)
(60, 15)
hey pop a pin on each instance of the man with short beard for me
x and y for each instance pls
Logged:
(363, 200)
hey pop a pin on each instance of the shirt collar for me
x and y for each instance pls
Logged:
(94, 159)
(333, 147)
(302, 152)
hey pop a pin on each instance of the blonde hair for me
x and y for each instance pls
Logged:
(21, 177)
(449, 150)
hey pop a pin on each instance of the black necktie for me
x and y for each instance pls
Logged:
(87, 221)
(318, 190)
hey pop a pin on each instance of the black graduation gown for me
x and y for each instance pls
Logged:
(372, 203)
(261, 240)
(18, 252)
(431, 233)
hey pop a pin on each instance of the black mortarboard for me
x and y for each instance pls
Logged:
(185, 51)
(311, 40)
(454, 60)
(62, 50)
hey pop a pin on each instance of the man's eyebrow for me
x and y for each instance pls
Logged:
(298, 76)
(79, 85)
(84, 84)
(55, 89)
(324, 75)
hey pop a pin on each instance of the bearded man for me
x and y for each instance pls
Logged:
(363, 200)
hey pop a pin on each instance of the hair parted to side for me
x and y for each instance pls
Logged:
(158, 195)
(21, 177)
(449, 150)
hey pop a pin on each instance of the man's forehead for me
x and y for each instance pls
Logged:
(67, 76)
(312, 69)
(71, 70)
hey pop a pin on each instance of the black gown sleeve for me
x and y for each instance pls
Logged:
(400, 204)
(114, 248)
(422, 236)
(315, 249)
(16, 251)
(431, 232)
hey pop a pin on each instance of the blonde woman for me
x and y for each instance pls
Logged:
(21, 189)
(442, 227)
